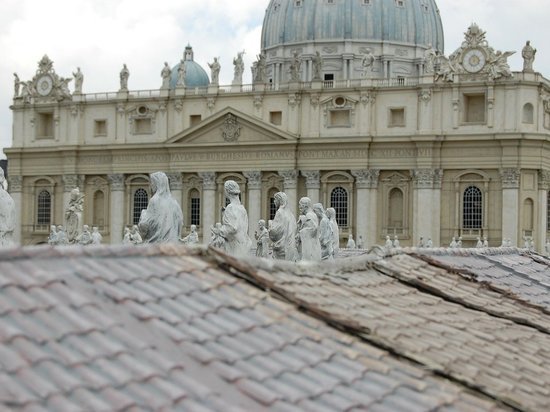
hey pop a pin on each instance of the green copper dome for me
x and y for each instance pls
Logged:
(414, 22)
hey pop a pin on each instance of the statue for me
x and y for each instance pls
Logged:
(63, 88)
(485, 242)
(73, 215)
(331, 214)
(459, 242)
(367, 63)
(429, 243)
(479, 244)
(498, 65)
(166, 73)
(182, 72)
(262, 240)
(528, 53)
(126, 237)
(360, 243)
(307, 238)
(283, 230)
(446, 69)
(234, 227)
(96, 236)
(396, 243)
(192, 238)
(421, 244)
(62, 239)
(453, 244)
(389, 243)
(325, 232)
(78, 80)
(85, 238)
(215, 68)
(7, 214)
(430, 56)
(295, 67)
(16, 85)
(124, 76)
(135, 236)
(238, 64)
(317, 66)
(216, 239)
(161, 222)
(52, 238)
(351, 242)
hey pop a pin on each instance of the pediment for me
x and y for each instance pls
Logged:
(231, 127)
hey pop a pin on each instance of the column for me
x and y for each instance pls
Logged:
(544, 186)
(176, 187)
(116, 215)
(313, 184)
(366, 185)
(15, 189)
(290, 187)
(254, 200)
(426, 205)
(510, 205)
(208, 217)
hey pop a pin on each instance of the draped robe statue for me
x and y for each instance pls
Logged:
(234, 227)
(325, 232)
(283, 230)
(308, 232)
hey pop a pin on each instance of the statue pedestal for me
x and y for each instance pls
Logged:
(426, 79)
(293, 85)
(259, 87)
(164, 92)
(213, 89)
(236, 87)
(317, 84)
(122, 94)
(366, 82)
(180, 91)
(77, 97)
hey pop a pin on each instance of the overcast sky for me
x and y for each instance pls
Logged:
(100, 35)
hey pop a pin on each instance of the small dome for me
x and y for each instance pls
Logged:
(414, 22)
(195, 75)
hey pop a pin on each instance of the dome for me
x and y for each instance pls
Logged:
(414, 22)
(195, 75)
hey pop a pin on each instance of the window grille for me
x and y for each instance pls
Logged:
(44, 208)
(472, 215)
(195, 208)
(141, 200)
(339, 201)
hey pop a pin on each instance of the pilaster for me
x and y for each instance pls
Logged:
(290, 187)
(176, 186)
(116, 214)
(313, 184)
(366, 187)
(426, 204)
(254, 187)
(510, 204)
(15, 189)
(544, 187)
(208, 204)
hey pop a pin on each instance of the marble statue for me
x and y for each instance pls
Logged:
(135, 236)
(547, 247)
(317, 66)
(61, 238)
(459, 242)
(295, 67)
(485, 242)
(192, 238)
(479, 244)
(331, 214)
(325, 232)
(16, 85)
(126, 236)
(73, 215)
(182, 72)
(84, 238)
(78, 80)
(446, 70)
(528, 53)
(360, 243)
(430, 56)
(283, 230)
(351, 242)
(166, 73)
(532, 245)
(389, 243)
(216, 239)
(498, 65)
(367, 63)
(421, 243)
(238, 68)
(453, 244)
(262, 240)
(7, 214)
(124, 76)
(396, 243)
(234, 227)
(52, 238)
(526, 242)
(96, 236)
(260, 69)
(161, 222)
(215, 68)
(429, 243)
(307, 239)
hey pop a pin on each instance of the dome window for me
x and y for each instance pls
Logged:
(400, 3)
(366, 2)
(298, 3)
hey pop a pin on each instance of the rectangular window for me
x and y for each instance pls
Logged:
(474, 108)
(400, 3)
(276, 118)
(194, 119)
(366, 2)
(196, 211)
(298, 3)
(397, 117)
(340, 118)
(100, 128)
(143, 126)
(45, 126)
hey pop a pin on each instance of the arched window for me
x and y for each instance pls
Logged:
(272, 207)
(141, 200)
(395, 209)
(195, 203)
(44, 208)
(472, 214)
(528, 114)
(339, 201)
(99, 209)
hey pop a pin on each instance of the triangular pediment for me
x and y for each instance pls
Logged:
(230, 127)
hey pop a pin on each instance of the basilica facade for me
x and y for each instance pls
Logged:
(354, 104)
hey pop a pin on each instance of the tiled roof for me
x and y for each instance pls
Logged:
(166, 328)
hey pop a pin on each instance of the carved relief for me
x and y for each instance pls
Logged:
(175, 181)
(312, 179)
(178, 105)
(258, 102)
(544, 179)
(330, 50)
(546, 102)
(290, 178)
(254, 179)
(294, 99)
(366, 178)
(70, 182)
(231, 130)
(425, 95)
(210, 103)
(424, 178)
(116, 181)
(15, 183)
(208, 180)
(510, 178)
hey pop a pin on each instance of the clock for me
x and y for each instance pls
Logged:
(44, 85)
(473, 60)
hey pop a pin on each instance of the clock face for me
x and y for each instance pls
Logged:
(44, 85)
(473, 61)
